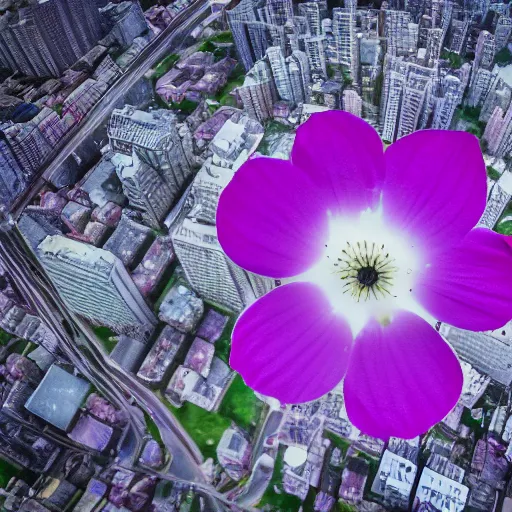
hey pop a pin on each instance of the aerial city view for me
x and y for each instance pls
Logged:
(255, 255)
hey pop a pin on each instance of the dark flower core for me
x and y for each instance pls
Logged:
(367, 276)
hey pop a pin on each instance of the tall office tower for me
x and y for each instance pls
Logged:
(486, 353)
(417, 8)
(127, 20)
(210, 272)
(145, 188)
(279, 12)
(415, 100)
(493, 131)
(401, 34)
(391, 98)
(154, 136)
(502, 32)
(12, 181)
(258, 92)
(499, 96)
(436, 13)
(485, 50)
(280, 73)
(498, 199)
(311, 11)
(315, 51)
(46, 38)
(370, 57)
(352, 102)
(505, 136)
(445, 105)
(447, 16)
(28, 145)
(434, 46)
(480, 85)
(344, 30)
(369, 22)
(458, 36)
(424, 27)
(250, 34)
(95, 285)
(300, 78)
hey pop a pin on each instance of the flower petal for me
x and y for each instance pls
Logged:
(345, 156)
(470, 286)
(271, 219)
(289, 345)
(403, 378)
(436, 186)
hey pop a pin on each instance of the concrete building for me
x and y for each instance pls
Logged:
(258, 92)
(400, 32)
(300, 77)
(485, 50)
(95, 285)
(315, 50)
(280, 73)
(154, 136)
(146, 189)
(481, 82)
(210, 272)
(458, 35)
(500, 195)
(451, 92)
(344, 31)
(352, 102)
(46, 38)
(234, 453)
(502, 32)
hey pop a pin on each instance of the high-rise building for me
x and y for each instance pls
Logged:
(95, 284)
(250, 34)
(487, 354)
(280, 73)
(210, 272)
(415, 99)
(499, 95)
(485, 50)
(145, 188)
(258, 92)
(434, 46)
(499, 197)
(154, 136)
(352, 102)
(12, 181)
(344, 30)
(401, 34)
(480, 85)
(502, 32)
(451, 92)
(391, 99)
(46, 38)
(315, 50)
(300, 78)
(311, 12)
(458, 35)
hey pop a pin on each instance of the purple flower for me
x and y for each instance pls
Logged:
(379, 245)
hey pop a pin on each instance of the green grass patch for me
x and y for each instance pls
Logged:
(153, 429)
(279, 501)
(105, 334)
(341, 506)
(7, 471)
(504, 225)
(185, 106)
(165, 65)
(455, 60)
(58, 108)
(503, 57)
(241, 405)
(271, 128)
(222, 37)
(493, 173)
(5, 337)
(205, 428)
(338, 442)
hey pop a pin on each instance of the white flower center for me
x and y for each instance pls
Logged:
(368, 269)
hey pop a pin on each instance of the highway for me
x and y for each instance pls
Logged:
(170, 38)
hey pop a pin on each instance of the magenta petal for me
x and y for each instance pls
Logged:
(271, 219)
(290, 346)
(344, 155)
(470, 286)
(403, 378)
(435, 186)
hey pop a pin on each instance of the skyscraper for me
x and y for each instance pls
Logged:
(280, 73)
(352, 102)
(154, 136)
(502, 32)
(210, 272)
(344, 30)
(46, 38)
(95, 285)
(145, 188)
(446, 103)
(258, 92)
(485, 50)
(300, 78)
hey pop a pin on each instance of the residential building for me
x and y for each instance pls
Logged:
(258, 92)
(95, 284)
(352, 102)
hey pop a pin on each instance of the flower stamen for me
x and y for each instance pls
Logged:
(367, 270)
